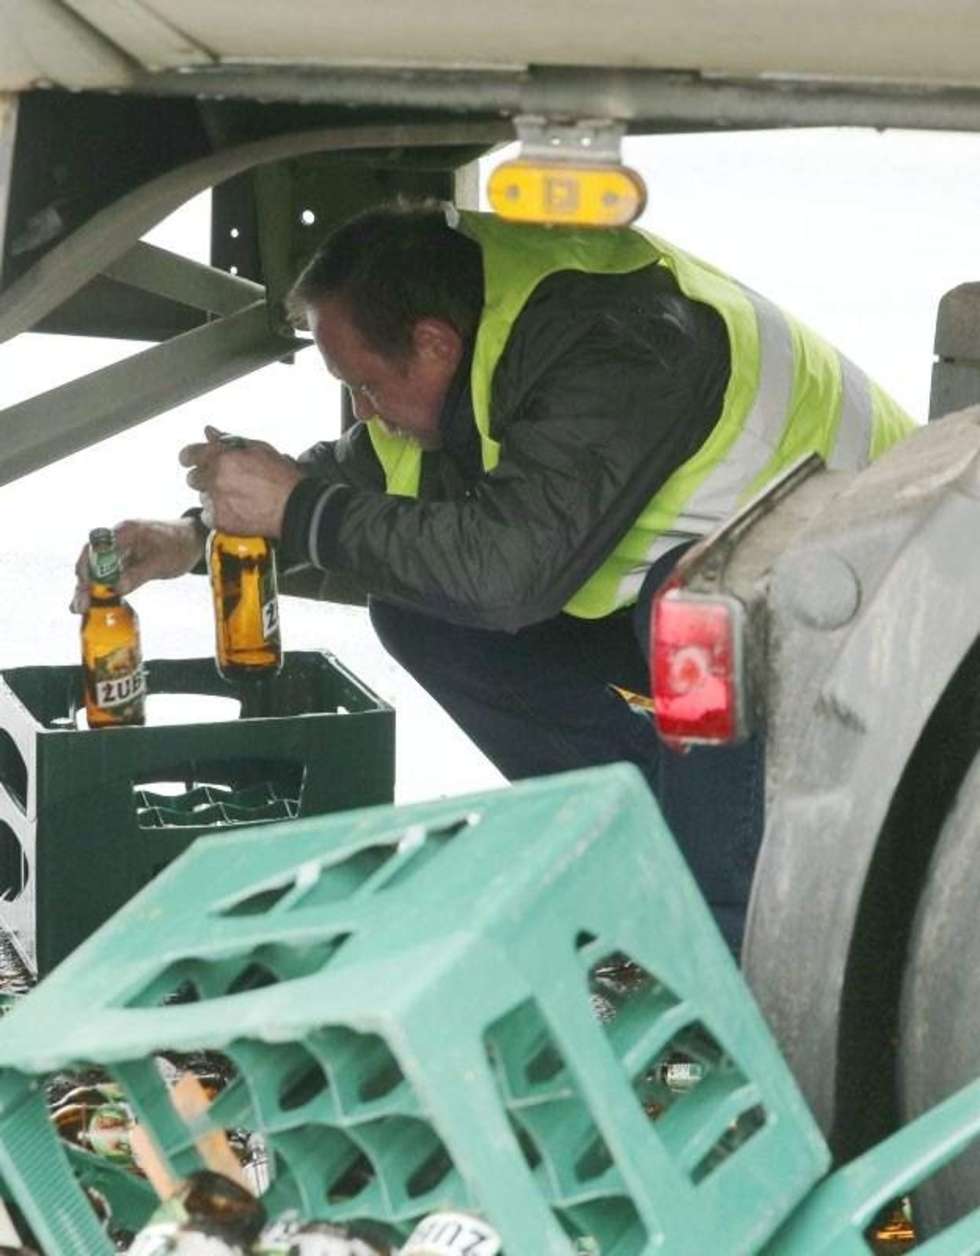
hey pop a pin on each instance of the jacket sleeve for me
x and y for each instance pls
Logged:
(607, 407)
(349, 461)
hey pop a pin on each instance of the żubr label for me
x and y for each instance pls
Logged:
(452, 1234)
(118, 690)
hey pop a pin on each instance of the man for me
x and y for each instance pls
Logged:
(545, 418)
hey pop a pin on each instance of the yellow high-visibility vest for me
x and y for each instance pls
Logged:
(789, 393)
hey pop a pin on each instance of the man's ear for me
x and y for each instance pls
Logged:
(437, 340)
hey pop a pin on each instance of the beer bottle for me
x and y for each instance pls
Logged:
(246, 606)
(112, 661)
(208, 1214)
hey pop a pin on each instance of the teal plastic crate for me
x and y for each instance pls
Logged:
(515, 1003)
(87, 817)
(835, 1216)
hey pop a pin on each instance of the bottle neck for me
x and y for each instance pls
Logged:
(103, 594)
(225, 538)
(236, 546)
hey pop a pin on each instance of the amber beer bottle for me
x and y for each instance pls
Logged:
(112, 660)
(206, 1215)
(246, 606)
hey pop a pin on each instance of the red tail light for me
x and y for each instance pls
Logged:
(695, 667)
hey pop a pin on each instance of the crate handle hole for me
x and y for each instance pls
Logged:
(233, 791)
(300, 1088)
(744, 1127)
(430, 1173)
(544, 1065)
(254, 976)
(420, 843)
(260, 901)
(594, 1161)
(381, 1082)
(14, 869)
(358, 1175)
(13, 770)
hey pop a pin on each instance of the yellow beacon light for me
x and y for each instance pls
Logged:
(586, 196)
(567, 174)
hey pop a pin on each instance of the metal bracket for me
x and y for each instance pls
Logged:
(588, 140)
(167, 274)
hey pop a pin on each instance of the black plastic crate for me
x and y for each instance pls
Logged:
(88, 817)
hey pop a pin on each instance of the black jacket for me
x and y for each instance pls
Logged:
(606, 385)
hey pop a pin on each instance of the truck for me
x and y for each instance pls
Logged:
(850, 600)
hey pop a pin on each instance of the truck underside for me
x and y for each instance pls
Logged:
(114, 115)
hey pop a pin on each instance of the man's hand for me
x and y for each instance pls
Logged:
(243, 485)
(149, 549)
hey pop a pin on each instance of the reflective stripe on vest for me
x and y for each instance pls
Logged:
(749, 463)
(789, 393)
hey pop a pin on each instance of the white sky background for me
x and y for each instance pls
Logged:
(855, 232)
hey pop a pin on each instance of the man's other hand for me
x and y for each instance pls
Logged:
(244, 485)
(149, 549)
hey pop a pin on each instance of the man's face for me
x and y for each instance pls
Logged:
(405, 395)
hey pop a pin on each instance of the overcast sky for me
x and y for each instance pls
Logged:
(857, 233)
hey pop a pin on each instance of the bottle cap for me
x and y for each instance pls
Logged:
(103, 557)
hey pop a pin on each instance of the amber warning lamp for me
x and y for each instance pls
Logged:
(567, 174)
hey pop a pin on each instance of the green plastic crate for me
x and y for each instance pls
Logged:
(85, 821)
(471, 1003)
(835, 1216)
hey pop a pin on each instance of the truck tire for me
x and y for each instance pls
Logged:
(939, 1022)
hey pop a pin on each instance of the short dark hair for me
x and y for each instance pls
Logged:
(394, 265)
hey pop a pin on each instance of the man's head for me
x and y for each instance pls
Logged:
(391, 298)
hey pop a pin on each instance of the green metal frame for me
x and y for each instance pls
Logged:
(152, 269)
(63, 420)
(251, 330)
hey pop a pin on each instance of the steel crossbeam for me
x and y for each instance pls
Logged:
(39, 431)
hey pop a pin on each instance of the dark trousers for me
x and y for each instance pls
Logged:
(539, 701)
